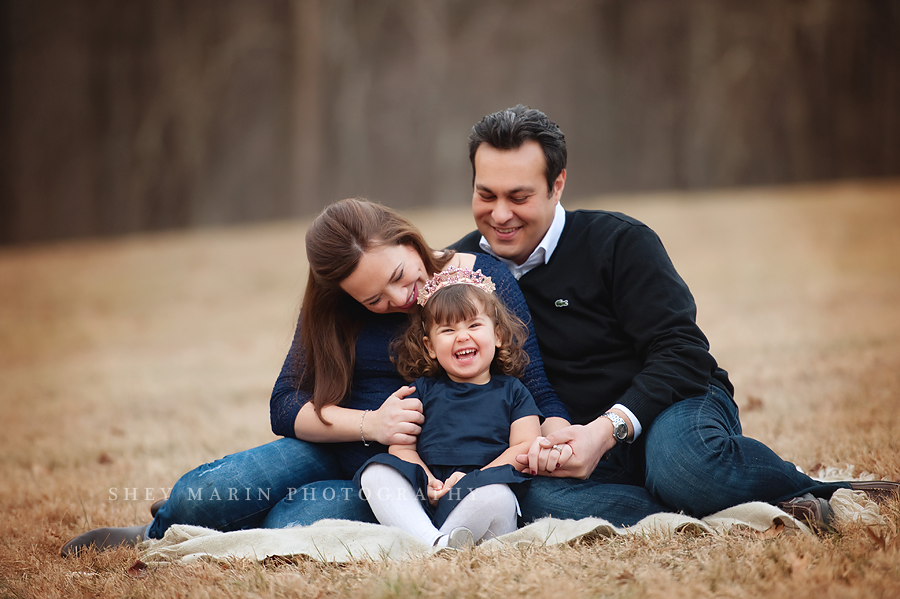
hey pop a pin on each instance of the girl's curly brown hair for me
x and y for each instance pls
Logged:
(450, 305)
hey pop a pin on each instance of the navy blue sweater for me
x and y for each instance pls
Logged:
(375, 377)
(614, 320)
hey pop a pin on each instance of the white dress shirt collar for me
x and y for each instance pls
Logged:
(542, 253)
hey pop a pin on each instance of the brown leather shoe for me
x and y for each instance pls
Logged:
(155, 507)
(812, 511)
(879, 490)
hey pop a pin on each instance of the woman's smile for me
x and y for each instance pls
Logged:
(387, 279)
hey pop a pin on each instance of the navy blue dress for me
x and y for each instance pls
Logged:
(466, 427)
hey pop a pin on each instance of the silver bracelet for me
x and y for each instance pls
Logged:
(361, 435)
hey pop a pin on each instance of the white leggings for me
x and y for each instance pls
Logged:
(488, 511)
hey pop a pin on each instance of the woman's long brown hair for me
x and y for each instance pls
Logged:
(330, 319)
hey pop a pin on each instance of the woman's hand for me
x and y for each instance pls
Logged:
(397, 422)
(437, 489)
(547, 457)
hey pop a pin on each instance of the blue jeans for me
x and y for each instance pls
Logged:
(239, 490)
(693, 459)
(339, 499)
(614, 492)
(698, 462)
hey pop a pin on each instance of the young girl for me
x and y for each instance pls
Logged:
(449, 488)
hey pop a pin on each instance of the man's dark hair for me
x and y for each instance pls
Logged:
(510, 128)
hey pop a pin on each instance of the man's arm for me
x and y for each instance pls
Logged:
(655, 308)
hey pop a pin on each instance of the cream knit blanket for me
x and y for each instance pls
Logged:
(343, 541)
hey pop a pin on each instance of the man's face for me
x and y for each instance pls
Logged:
(510, 201)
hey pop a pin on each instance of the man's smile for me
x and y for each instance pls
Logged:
(506, 232)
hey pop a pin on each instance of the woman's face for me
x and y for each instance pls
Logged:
(388, 279)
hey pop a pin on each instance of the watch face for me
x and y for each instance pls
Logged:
(621, 432)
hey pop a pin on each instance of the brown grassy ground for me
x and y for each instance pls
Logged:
(125, 363)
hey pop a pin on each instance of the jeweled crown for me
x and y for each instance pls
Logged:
(454, 276)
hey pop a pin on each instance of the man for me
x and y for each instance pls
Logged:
(653, 415)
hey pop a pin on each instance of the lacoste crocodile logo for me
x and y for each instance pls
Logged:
(561, 303)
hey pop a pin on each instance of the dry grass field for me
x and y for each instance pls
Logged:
(124, 363)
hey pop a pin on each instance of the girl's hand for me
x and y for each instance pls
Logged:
(436, 492)
(397, 422)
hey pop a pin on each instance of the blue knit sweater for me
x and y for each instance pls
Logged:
(375, 377)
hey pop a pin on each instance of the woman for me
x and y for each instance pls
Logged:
(336, 401)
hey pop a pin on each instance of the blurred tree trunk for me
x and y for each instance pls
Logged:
(155, 114)
(306, 108)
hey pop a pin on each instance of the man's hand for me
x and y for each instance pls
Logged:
(588, 443)
(437, 489)
(398, 421)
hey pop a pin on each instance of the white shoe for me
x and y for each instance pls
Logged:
(460, 538)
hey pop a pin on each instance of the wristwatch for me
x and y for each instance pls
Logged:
(620, 429)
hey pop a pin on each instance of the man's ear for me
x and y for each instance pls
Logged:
(558, 187)
(429, 347)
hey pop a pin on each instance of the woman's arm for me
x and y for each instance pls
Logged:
(522, 434)
(287, 397)
(397, 422)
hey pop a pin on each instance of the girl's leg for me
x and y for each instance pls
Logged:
(393, 501)
(488, 512)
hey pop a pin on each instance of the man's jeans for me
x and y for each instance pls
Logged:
(698, 461)
(693, 459)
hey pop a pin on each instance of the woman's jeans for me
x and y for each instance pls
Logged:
(692, 459)
(243, 489)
